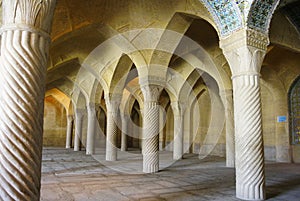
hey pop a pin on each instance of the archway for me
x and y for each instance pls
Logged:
(294, 117)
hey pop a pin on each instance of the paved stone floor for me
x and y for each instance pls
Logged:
(68, 175)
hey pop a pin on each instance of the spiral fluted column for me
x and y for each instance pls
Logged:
(245, 51)
(79, 113)
(24, 52)
(70, 120)
(178, 111)
(90, 141)
(150, 147)
(250, 177)
(227, 99)
(125, 120)
(112, 129)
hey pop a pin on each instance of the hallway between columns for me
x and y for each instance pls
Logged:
(84, 178)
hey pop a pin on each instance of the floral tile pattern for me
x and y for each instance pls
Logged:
(228, 17)
(231, 15)
(260, 14)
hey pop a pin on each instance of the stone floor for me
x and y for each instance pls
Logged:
(68, 175)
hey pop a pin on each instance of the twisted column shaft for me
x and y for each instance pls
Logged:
(112, 130)
(245, 51)
(79, 113)
(151, 129)
(24, 52)
(250, 179)
(70, 120)
(90, 142)
(227, 99)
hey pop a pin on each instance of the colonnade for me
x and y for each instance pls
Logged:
(24, 51)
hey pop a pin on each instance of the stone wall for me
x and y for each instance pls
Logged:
(55, 123)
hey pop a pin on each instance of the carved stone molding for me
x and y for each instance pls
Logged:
(28, 15)
(245, 37)
(151, 93)
(244, 59)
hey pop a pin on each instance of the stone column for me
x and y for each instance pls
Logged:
(162, 140)
(90, 141)
(245, 51)
(25, 43)
(227, 99)
(70, 120)
(187, 131)
(112, 129)
(79, 113)
(150, 146)
(178, 111)
(125, 120)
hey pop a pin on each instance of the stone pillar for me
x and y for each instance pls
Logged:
(227, 99)
(162, 139)
(187, 131)
(90, 141)
(79, 113)
(245, 51)
(112, 129)
(178, 111)
(25, 43)
(150, 145)
(125, 120)
(70, 120)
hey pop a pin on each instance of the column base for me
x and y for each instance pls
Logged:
(151, 163)
(89, 152)
(110, 157)
(250, 194)
(150, 168)
(77, 149)
(230, 164)
(177, 157)
(68, 147)
(242, 198)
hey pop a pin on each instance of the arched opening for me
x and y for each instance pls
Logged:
(294, 112)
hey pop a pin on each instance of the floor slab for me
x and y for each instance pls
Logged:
(69, 175)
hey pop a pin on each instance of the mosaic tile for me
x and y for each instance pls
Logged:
(227, 17)
(260, 13)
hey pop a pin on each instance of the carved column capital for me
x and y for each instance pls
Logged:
(151, 93)
(112, 102)
(28, 15)
(245, 51)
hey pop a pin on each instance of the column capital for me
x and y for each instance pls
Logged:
(245, 51)
(70, 117)
(112, 106)
(151, 93)
(178, 108)
(31, 15)
(245, 37)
